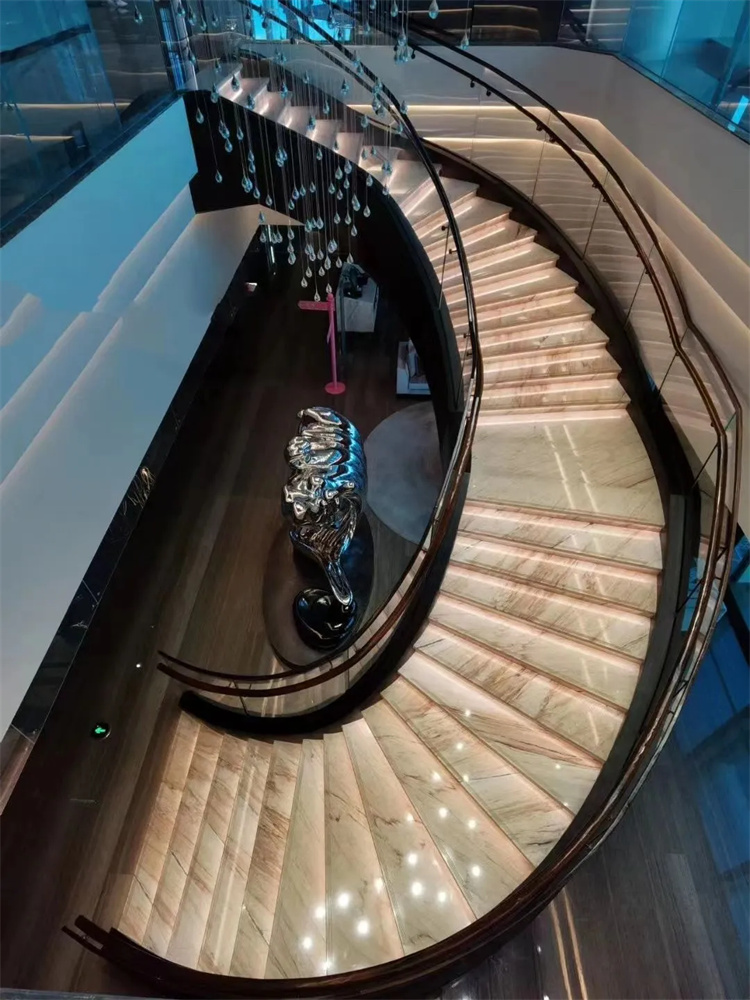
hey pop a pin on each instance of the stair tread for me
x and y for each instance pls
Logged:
(192, 918)
(605, 627)
(261, 892)
(229, 892)
(407, 854)
(484, 862)
(565, 334)
(353, 872)
(501, 262)
(526, 746)
(169, 894)
(430, 212)
(298, 944)
(534, 821)
(628, 588)
(600, 672)
(561, 709)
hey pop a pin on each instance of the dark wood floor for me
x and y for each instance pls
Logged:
(189, 582)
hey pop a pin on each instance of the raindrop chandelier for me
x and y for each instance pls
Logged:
(304, 155)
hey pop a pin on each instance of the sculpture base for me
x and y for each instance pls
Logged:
(321, 621)
(288, 574)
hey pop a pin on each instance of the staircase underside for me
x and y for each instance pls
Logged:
(282, 858)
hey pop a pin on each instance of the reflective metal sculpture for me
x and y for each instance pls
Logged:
(323, 498)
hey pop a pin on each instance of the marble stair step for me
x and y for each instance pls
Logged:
(517, 259)
(553, 413)
(627, 588)
(561, 709)
(579, 361)
(533, 820)
(596, 464)
(622, 544)
(250, 953)
(192, 918)
(497, 230)
(431, 215)
(565, 333)
(521, 315)
(608, 628)
(426, 900)
(361, 926)
(298, 939)
(485, 863)
(526, 746)
(326, 133)
(229, 892)
(476, 217)
(295, 117)
(158, 836)
(409, 185)
(350, 146)
(188, 824)
(608, 676)
(553, 394)
(534, 286)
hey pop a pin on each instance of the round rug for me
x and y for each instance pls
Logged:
(404, 473)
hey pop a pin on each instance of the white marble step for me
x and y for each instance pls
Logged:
(193, 913)
(361, 926)
(553, 396)
(526, 413)
(250, 953)
(605, 627)
(350, 145)
(560, 709)
(575, 575)
(517, 259)
(229, 892)
(431, 215)
(517, 288)
(427, 902)
(596, 465)
(187, 827)
(561, 334)
(609, 676)
(628, 545)
(482, 859)
(578, 362)
(533, 820)
(507, 235)
(523, 315)
(158, 835)
(526, 746)
(298, 940)
(326, 133)
(476, 219)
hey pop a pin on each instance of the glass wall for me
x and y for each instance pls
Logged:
(700, 49)
(75, 79)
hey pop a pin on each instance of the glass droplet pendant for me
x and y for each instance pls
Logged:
(199, 117)
(394, 9)
(247, 184)
(214, 95)
(354, 230)
(250, 102)
(137, 16)
(433, 10)
(464, 43)
(228, 146)
(366, 212)
(304, 282)
(240, 134)
(235, 83)
(218, 178)
(269, 200)
(316, 297)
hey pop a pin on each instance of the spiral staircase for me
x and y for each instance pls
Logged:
(411, 827)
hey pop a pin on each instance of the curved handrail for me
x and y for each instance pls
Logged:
(438, 524)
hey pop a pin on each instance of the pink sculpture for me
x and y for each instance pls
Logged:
(334, 387)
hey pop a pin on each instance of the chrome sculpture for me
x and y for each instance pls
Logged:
(323, 498)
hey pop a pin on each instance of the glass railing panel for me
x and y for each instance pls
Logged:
(614, 250)
(566, 193)
(649, 324)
